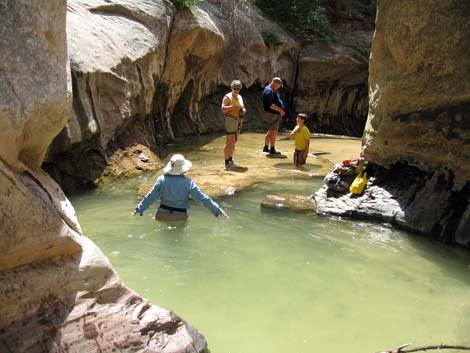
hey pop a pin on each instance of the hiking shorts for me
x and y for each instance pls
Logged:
(168, 216)
(299, 157)
(271, 120)
(231, 124)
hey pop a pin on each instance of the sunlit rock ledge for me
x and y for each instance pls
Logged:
(254, 166)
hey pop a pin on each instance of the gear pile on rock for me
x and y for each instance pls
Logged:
(348, 176)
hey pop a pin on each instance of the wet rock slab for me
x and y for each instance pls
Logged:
(290, 202)
(375, 203)
(402, 196)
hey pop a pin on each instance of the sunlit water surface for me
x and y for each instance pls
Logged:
(277, 282)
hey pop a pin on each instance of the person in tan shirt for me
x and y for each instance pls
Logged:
(233, 108)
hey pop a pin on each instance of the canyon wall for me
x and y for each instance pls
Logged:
(418, 130)
(58, 292)
(117, 55)
(419, 97)
(331, 86)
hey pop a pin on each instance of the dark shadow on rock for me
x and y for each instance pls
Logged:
(320, 153)
(275, 156)
(237, 169)
(291, 167)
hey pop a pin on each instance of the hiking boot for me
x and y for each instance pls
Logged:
(231, 165)
(273, 151)
(265, 149)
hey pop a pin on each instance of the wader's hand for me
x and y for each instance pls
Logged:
(223, 214)
(134, 213)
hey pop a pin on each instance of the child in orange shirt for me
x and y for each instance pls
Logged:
(301, 134)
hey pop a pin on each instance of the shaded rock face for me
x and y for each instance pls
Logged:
(58, 292)
(418, 130)
(117, 54)
(331, 86)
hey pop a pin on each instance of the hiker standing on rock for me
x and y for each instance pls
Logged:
(272, 114)
(232, 107)
(173, 189)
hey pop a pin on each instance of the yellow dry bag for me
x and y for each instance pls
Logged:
(358, 185)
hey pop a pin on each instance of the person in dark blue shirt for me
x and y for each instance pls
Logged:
(272, 114)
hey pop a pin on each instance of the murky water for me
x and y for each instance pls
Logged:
(275, 282)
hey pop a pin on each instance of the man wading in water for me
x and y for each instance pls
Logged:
(174, 189)
(272, 114)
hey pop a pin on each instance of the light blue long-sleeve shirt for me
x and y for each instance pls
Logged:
(174, 191)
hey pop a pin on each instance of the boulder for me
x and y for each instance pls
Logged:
(130, 162)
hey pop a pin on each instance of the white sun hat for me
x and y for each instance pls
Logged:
(177, 165)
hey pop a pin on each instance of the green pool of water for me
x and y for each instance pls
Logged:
(277, 282)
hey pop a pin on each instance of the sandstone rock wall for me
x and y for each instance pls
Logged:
(35, 98)
(419, 109)
(217, 42)
(117, 54)
(331, 86)
(419, 96)
(418, 128)
(58, 292)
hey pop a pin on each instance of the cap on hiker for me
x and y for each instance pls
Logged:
(277, 80)
(236, 84)
(177, 165)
